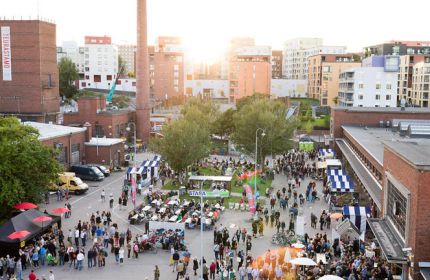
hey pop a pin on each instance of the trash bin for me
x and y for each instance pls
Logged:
(182, 190)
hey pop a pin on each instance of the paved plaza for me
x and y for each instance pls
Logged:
(84, 206)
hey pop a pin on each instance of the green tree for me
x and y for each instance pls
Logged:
(266, 114)
(121, 65)
(205, 112)
(309, 127)
(68, 75)
(121, 101)
(184, 142)
(27, 166)
(224, 125)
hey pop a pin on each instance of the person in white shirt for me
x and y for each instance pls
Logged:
(80, 258)
(77, 235)
(103, 196)
(51, 275)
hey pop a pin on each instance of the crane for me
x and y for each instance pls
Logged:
(112, 90)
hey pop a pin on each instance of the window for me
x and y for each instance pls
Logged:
(360, 86)
(377, 97)
(397, 208)
(109, 77)
(133, 84)
(388, 86)
(360, 97)
(387, 97)
(378, 86)
(97, 78)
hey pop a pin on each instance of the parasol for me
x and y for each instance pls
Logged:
(25, 206)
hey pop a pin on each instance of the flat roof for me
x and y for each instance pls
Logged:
(407, 110)
(51, 131)
(373, 139)
(104, 141)
(211, 178)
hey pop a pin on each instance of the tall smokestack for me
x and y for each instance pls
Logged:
(142, 75)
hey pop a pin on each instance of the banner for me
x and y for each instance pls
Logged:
(251, 202)
(6, 53)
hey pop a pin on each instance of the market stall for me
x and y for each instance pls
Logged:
(357, 215)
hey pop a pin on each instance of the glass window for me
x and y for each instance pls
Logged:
(360, 86)
(388, 86)
(378, 86)
(397, 208)
(360, 97)
(387, 97)
(377, 97)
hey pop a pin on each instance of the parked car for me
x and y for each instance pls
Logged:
(87, 172)
(103, 169)
(68, 180)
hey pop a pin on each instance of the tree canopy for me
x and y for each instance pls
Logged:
(27, 166)
(266, 114)
(68, 75)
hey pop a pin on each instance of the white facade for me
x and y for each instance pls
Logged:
(101, 64)
(297, 51)
(128, 84)
(421, 84)
(127, 53)
(368, 87)
(212, 88)
(254, 51)
(288, 88)
(76, 54)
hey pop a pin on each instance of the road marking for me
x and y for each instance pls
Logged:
(120, 178)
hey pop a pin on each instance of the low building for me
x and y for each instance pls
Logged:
(372, 85)
(277, 64)
(105, 151)
(288, 88)
(406, 74)
(214, 89)
(68, 140)
(387, 152)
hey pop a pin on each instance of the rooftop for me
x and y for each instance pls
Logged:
(51, 131)
(104, 141)
(415, 150)
(407, 110)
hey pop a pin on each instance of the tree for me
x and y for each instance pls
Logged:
(121, 65)
(27, 166)
(224, 125)
(205, 112)
(68, 75)
(184, 142)
(266, 114)
(309, 127)
(336, 100)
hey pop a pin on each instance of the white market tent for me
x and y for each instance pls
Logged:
(211, 178)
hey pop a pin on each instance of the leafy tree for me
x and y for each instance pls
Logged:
(266, 114)
(121, 101)
(224, 125)
(68, 75)
(309, 127)
(131, 74)
(27, 166)
(184, 142)
(205, 112)
(121, 65)
(336, 100)
(249, 99)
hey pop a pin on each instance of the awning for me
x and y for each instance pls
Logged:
(368, 181)
(339, 178)
(211, 178)
(327, 152)
(336, 186)
(157, 158)
(389, 240)
(150, 163)
(335, 172)
(347, 227)
(424, 269)
(357, 215)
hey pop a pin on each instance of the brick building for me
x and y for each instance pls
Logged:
(104, 123)
(105, 151)
(28, 70)
(387, 152)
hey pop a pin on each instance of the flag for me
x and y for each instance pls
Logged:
(133, 189)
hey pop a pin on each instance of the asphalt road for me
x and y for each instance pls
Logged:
(84, 205)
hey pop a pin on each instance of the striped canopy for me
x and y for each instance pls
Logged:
(339, 178)
(150, 163)
(327, 152)
(357, 215)
(343, 187)
(156, 158)
(335, 172)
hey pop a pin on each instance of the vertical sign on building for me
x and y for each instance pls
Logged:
(6, 53)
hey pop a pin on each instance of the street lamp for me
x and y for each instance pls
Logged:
(256, 153)
(201, 228)
(128, 129)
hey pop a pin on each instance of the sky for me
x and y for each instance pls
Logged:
(207, 25)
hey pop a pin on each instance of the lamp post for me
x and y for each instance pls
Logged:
(256, 158)
(128, 129)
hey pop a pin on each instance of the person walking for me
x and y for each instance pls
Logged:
(195, 265)
(156, 273)
(103, 196)
(80, 259)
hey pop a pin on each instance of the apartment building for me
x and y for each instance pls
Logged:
(406, 72)
(372, 85)
(398, 48)
(127, 53)
(421, 84)
(277, 64)
(297, 52)
(28, 70)
(250, 72)
(76, 54)
(323, 78)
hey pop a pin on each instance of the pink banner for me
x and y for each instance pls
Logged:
(250, 196)
(249, 174)
(133, 189)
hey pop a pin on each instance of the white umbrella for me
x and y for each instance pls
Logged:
(298, 245)
(303, 261)
(330, 277)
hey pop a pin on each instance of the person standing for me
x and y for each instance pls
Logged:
(51, 275)
(121, 255)
(18, 269)
(103, 196)
(32, 276)
(156, 273)
(80, 259)
(195, 265)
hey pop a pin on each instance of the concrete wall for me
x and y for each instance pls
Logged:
(288, 88)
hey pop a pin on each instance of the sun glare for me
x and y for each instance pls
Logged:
(201, 49)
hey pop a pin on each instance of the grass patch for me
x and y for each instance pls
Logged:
(237, 187)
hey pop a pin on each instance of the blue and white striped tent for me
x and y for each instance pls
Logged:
(343, 187)
(150, 163)
(339, 178)
(135, 170)
(327, 153)
(156, 158)
(335, 172)
(357, 215)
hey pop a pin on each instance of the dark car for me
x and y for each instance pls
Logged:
(103, 169)
(87, 172)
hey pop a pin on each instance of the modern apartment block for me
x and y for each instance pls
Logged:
(277, 64)
(297, 51)
(406, 72)
(76, 54)
(235, 43)
(372, 85)
(250, 72)
(28, 70)
(421, 84)
(128, 56)
(166, 68)
(323, 78)
(398, 48)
